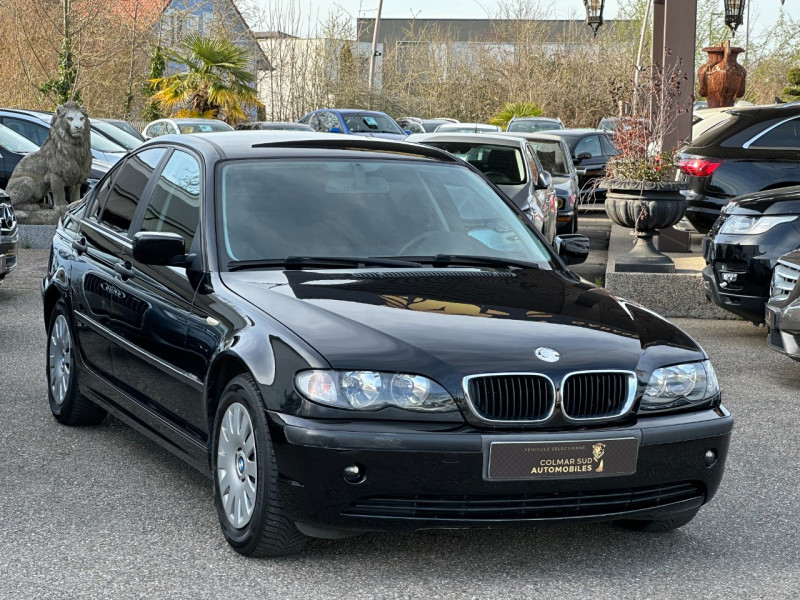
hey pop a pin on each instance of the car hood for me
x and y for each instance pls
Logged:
(448, 323)
(781, 201)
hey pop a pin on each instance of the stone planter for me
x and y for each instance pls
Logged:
(645, 207)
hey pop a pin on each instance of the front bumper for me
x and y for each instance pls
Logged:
(9, 242)
(415, 479)
(747, 307)
(783, 329)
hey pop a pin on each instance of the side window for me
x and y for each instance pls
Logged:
(784, 135)
(305, 120)
(531, 158)
(35, 133)
(174, 204)
(589, 144)
(608, 147)
(314, 122)
(127, 188)
(100, 196)
(328, 120)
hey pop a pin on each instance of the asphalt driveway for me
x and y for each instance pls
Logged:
(104, 513)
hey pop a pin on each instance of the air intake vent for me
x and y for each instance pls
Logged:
(784, 278)
(511, 397)
(599, 395)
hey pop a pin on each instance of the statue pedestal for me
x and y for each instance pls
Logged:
(37, 214)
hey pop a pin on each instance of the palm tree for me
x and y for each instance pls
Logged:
(214, 82)
(514, 109)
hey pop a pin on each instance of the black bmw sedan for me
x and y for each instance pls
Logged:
(351, 334)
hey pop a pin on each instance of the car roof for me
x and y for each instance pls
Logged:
(186, 120)
(576, 132)
(37, 114)
(246, 144)
(345, 111)
(497, 138)
(536, 118)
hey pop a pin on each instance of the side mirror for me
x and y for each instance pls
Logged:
(573, 248)
(157, 248)
(335, 130)
(545, 179)
(581, 157)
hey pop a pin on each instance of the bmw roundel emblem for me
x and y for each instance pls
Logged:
(547, 354)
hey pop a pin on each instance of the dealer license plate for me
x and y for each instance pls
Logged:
(563, 460)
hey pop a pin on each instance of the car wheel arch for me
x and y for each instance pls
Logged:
(50, 299)
(224, 368)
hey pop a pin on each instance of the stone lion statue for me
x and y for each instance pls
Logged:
(63, 161)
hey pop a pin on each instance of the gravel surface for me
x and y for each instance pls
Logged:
(104, 513)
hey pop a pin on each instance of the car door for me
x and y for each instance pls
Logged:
(103, 309)
(150, 360)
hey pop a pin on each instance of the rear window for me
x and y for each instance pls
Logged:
(204, 127)
(501, 164)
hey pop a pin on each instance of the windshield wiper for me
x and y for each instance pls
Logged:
(448, 260)
(320, 262)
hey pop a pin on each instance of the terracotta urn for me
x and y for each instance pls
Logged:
(722, 79)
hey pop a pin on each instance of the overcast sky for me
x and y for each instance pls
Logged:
(763, 13)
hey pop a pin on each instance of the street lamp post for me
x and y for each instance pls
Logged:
(734, 13)
(594, 14)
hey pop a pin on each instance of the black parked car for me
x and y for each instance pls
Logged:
(755, 149)
(9, 237)
(590, 149)
(338, 374)
(743, 247)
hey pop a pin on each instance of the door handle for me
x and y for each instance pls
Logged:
(79, 245)
(124, 270)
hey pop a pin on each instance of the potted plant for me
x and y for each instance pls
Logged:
(642, 192)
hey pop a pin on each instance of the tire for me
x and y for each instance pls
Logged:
(658, 525)
(67, 404)
(246, 477)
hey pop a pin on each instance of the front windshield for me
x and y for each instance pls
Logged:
(534, 126)
(102, 144)
(14, 142)
(365, 208)
(372, 124)
(551, 156)
(500, 164)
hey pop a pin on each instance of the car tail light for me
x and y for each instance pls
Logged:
(698, 167)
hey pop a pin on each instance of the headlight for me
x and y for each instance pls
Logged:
(739, 225)
(680, 386)
(372, 390)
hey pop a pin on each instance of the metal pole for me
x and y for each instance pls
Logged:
(641, 45)
(374, 48)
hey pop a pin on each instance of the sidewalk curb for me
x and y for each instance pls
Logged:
(678, 294)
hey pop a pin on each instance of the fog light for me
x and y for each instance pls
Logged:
(729, 277)
(353, 474)
(711, 458)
